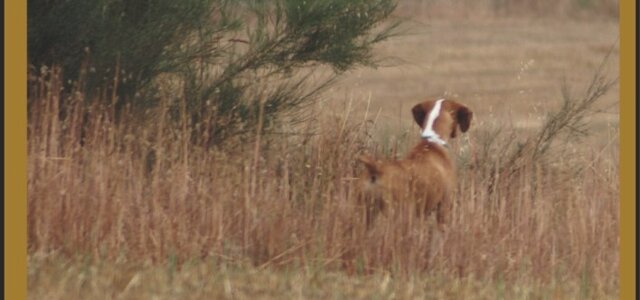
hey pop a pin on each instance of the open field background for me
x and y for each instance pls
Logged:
(507, 70)
(276, 218)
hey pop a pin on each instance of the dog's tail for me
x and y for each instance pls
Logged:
(372, 166)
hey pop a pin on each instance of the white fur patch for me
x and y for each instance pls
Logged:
(428, 133)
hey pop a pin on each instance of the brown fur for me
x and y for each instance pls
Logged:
(424, 179)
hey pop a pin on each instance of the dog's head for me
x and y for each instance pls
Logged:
(439, 119)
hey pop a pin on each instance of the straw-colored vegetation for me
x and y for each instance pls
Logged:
(140, 209)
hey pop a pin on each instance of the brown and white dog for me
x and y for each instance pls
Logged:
(426, 177)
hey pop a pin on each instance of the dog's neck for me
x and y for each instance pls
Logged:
(436, 140)
(425, 147)
(429, 144)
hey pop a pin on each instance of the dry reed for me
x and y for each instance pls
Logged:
(143, 191)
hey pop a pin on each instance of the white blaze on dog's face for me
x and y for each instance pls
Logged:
(428, 131)
(441, 118)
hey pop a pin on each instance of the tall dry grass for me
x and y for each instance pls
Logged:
(142, 190)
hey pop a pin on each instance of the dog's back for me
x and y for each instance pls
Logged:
(425, 178)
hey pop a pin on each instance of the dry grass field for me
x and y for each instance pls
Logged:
(535, 216)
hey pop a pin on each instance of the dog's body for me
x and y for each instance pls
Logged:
(425, 179)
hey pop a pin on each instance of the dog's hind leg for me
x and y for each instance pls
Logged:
(438, 235)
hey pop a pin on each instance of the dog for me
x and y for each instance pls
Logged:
(426, 177)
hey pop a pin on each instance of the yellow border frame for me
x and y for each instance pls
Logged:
(15, 154)
(627, 149)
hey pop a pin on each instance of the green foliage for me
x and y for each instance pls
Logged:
(98, 37)
(331, 31)
(230, 58)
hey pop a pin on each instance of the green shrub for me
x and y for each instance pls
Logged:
(230, 59)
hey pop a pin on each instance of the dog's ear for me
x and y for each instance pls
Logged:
(419, 114)
(371, 165)
(464, 116)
